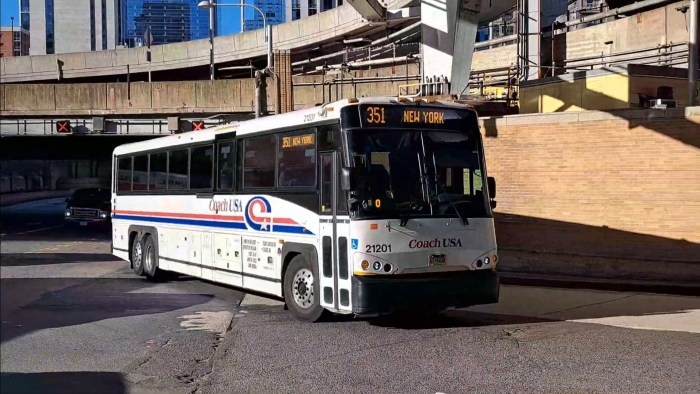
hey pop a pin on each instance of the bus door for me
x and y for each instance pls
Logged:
(335, 226)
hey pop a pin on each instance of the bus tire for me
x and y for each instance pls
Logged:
(137, 255)
(150, 258)
(302, 290)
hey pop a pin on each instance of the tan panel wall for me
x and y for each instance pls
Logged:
(81, 96)
(495, 58)
(29, 98)
(616, 194)
(119, 97)
(174, 95)
(660, 26)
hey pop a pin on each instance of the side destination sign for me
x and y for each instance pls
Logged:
(411, 116)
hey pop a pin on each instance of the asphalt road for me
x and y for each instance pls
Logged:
(74, 319)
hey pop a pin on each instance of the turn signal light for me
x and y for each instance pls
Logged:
(353, 100)
(365, 264)
(373, 226)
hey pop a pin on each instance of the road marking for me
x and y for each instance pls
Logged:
(39, 229)
(217, 322)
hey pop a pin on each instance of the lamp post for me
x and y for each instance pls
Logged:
(210, 6)
(12, 34)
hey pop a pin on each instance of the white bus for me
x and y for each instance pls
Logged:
(361, 206)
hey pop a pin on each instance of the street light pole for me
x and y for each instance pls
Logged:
(693, 52)
(211, 43)
(210, 5)
(12, 34)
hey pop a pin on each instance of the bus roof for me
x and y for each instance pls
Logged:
(300, 117)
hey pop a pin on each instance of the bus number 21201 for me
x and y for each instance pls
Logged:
(378, 248)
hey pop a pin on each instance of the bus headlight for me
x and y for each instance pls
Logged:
(487, 261)
(104, 214)
(67, 212)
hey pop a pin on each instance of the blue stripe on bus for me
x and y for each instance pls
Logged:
(210, 223)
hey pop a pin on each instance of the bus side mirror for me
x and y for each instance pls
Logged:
(492, 186)
(348, 178)
(68, 200)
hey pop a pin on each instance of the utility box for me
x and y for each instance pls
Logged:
(98, 124)
(173, 123)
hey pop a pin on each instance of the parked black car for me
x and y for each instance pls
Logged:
(89, 206)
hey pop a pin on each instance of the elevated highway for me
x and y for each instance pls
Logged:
(312, 42)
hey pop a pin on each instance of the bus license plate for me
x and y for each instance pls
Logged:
(83, 223)
(436, 259)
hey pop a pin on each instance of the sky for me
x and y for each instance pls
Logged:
(9, 8)
(229, 17)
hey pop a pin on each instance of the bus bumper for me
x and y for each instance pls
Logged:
(379, 295)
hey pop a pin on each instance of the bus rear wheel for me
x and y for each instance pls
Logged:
(137, 255)
(302, 291)
(150, 258)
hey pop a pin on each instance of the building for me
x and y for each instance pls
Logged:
(169, 20)
(298, 9)
(281, 11)
(14, 41)
(60, 26)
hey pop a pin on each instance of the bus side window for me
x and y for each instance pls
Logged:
(124, 174)
(201, 162)
(224, 166)
(259, 161)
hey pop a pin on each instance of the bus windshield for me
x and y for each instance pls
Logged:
(416, 173)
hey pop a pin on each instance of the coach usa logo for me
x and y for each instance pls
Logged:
(258, 214)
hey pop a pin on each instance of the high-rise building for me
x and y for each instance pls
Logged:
(61, 26)
(298, 9)
(170, 21)
(281, 11)
(274, 13)
(14, 41)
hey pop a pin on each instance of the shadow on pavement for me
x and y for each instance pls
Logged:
(62, 382)
(26, 259)
(84, 302)
(450, 319)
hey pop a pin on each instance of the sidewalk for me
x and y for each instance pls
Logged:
(17, 198)
(608, 284)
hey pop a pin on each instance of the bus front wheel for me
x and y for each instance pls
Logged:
(137, 255)
(302, 290)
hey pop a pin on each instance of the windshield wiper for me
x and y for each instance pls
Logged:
(461, 215)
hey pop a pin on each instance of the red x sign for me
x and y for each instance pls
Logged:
(63, 126)
(198, 125)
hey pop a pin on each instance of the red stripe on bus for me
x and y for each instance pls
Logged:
(181, 215)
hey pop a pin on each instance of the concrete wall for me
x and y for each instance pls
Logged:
(134, 98)
(598, 194)
(498, 57)
(648, 29)
(191, 96)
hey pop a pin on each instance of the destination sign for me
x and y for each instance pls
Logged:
(410, 116)
(297, 140)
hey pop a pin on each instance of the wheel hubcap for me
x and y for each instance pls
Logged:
(148, 261)
(303, 288)
(137, 254)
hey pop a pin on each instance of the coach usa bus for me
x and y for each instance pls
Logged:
(362, 206)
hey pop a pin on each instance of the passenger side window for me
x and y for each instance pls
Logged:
(124, 174)
(140, 177)
(177, 169)
(158, 171)
(297, 159)
(201, 162)
(259, 162)
(224, 166)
